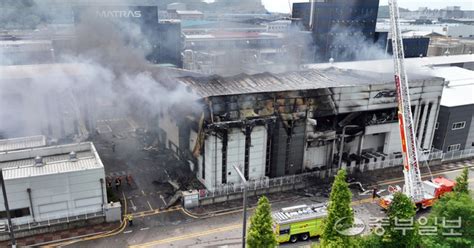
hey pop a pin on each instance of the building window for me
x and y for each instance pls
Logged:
(15, 213)
(436, 125)
(454, 147)
(459, 125)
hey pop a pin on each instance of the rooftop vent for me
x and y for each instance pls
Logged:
(39, 161)
(73, 156)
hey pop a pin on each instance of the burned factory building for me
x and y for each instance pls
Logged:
(272, 125)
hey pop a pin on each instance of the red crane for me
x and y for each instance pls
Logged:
(423, 193)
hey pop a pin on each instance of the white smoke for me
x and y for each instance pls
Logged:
(104, 75)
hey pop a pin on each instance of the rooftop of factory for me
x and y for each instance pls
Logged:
(386, 65)
(232, 35)
(459, 90)
(299, 213)
(22, 143)
(288, 81)
(49, 160)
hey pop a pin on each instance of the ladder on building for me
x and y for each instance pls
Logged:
(413, 183)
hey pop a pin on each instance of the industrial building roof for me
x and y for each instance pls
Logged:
(22, 143)
(459, 90)
(386, 65)
(288, 81)
(53, 160)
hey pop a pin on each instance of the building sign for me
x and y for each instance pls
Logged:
(118, 13)
(385, 93)
(147, 15)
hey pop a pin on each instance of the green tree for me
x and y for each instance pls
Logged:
(260, 232)
(402, 208)
(339, 213)
(462, 183)
(450, 208)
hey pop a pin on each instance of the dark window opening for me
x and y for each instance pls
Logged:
(15, 213)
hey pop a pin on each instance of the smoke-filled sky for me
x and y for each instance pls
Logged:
(283, 6)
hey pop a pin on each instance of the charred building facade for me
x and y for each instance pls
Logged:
(273, 125)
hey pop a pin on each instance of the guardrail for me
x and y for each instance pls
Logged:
(266, 183)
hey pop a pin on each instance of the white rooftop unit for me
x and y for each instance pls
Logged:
(63, 181)
(22, 143)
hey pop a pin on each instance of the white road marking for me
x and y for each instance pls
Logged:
(149, 205)
(163, 199)
(144, 228)
(128, 231)
(133, 205)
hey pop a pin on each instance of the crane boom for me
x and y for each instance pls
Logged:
(413, 183)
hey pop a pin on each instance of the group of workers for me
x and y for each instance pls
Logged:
(118, 181)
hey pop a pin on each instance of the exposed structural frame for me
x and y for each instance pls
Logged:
(413, 183)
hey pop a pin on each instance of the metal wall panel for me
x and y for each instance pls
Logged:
(316, 156)
(258, 152)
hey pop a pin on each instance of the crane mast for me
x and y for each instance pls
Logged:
(413, 184)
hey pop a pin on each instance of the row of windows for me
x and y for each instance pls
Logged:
(456, 125)
(454, 147)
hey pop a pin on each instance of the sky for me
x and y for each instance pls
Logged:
(283, 6)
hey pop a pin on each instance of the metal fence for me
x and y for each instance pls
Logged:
(266, 183)
(48, 220)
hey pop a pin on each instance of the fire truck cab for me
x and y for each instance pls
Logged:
(433, 190)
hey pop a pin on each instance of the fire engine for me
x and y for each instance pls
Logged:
(422, 193)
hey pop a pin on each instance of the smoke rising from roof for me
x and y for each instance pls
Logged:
(105, 75)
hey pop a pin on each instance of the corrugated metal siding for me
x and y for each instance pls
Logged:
(51, 168)
(22, 143)
(235, 154)
(316, 156)
(289, 81)
(47, 159)
(213, 161)
(258, 152)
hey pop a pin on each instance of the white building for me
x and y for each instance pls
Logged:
(52, 183)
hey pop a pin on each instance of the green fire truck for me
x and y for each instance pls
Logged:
(299, 222)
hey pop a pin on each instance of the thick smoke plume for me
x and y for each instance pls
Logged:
(104, 75)
(350, 44)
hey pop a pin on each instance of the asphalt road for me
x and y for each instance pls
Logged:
(177, 229)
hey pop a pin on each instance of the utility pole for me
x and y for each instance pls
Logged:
(7, 209)
(342, 144)
(244, 228)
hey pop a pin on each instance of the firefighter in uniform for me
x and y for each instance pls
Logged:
(130, 220)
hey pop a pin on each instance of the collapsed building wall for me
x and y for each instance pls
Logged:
(272, 125)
